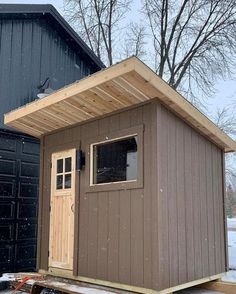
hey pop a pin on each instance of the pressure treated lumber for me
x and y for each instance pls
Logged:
(124, 287)
(224, 287)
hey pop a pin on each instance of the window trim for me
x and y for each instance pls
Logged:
(55, 155)
(112, 137)
(63, 173)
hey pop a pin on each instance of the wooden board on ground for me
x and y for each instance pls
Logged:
(224, 287)
(66, 287)
(24, 288)
(37, 283)
(196, 291)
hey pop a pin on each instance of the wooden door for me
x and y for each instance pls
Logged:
(62, 210)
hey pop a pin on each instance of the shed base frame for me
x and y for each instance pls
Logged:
(67, 274)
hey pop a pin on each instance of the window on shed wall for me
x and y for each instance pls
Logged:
(115, 161)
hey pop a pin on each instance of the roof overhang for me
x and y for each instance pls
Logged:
(120, 86)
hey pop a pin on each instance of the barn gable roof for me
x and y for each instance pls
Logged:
(122, 85)
(48, 12)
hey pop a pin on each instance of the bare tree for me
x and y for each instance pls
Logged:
(97, 22)
(225, 119)
(194, 42)
(135, 41)
(230, 201)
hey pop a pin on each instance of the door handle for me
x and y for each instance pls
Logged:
(73, 208)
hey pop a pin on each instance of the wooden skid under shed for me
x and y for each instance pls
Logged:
(220, 286)
(40, 281)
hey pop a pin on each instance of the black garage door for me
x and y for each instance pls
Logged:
(19, 173)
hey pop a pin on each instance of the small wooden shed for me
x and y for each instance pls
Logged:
(132, 182)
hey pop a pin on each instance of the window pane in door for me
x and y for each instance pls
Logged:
(67, 181)
(115, 161)
(59, 182)
(59, 166)
(68, 164)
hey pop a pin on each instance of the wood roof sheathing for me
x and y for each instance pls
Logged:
(122, 85)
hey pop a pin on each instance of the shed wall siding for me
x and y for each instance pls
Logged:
(114, 224)
(158, 236)
(190, 203)
(115, 240)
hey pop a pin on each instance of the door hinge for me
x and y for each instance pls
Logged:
(48, 253)
(50, 164)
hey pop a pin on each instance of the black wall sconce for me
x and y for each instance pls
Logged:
(80, 160)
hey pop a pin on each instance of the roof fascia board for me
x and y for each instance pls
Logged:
(182, 103)
(73, 89)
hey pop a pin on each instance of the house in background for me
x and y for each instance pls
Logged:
(132, 183)
(37, 48)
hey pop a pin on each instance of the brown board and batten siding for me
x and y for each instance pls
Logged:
(190, 203)
(168, 232)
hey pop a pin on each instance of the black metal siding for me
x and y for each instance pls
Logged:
(31, 51)
(48, 12)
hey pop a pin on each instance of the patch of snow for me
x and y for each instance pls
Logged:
(74, 288)
(229, 277)
(232, 249)
(30, 282)
(86, 290)
(231, 223)
(7, 277)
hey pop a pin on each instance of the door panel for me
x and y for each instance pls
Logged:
(19, 169)
(62, 210)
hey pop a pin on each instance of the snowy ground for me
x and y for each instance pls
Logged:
(232, 242)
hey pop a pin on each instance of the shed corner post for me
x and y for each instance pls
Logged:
(40, 200)
(224, 212)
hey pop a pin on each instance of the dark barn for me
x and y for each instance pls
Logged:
(39, 53)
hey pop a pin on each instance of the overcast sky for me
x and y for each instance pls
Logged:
(57, 3)
(226, 90)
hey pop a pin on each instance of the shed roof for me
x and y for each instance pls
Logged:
(122, 85)
(48, 12)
